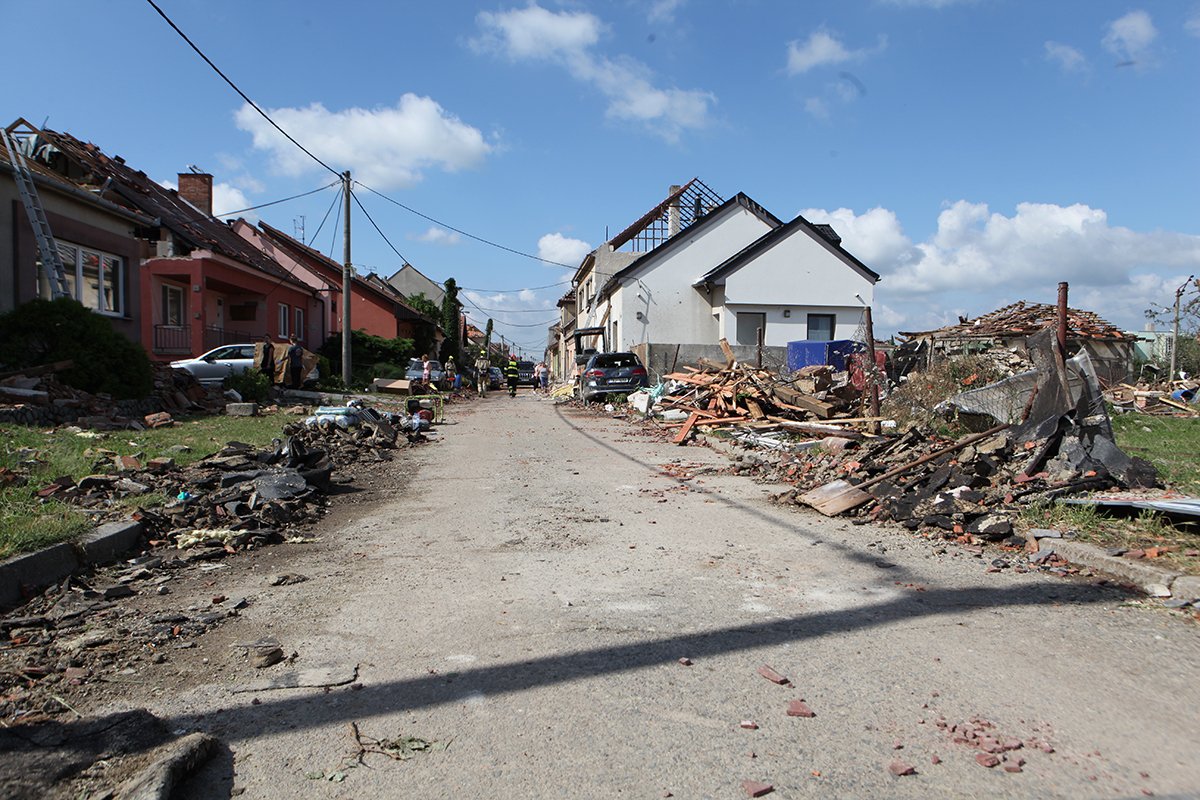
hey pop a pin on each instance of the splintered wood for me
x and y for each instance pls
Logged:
(739, 395)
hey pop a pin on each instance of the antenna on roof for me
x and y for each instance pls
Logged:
(196, 169)
(298, 227)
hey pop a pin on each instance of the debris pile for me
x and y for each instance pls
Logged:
(36, 397)
(1172, 398)
(240, 496)
(1061, 443)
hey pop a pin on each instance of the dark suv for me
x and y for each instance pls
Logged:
(525, 374)
(611, 373)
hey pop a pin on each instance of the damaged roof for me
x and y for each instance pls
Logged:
(1023, 319)
(121, 183)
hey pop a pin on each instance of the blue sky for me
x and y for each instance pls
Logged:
(973, 152)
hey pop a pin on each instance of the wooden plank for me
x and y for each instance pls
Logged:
(1180, 406)
(30, 372)
(755, 409)
(686, 429)
(723, 420)
(730, 358)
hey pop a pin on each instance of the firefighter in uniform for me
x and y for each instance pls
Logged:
(512, 374)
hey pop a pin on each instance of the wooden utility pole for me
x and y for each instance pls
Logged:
(1175, 328)
(347, 282)
(872, 383)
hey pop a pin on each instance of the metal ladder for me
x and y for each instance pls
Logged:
(52, 263)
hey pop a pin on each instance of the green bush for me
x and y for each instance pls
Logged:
(252, 385)
(45, 331)
(367, 354)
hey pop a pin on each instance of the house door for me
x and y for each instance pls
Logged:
(220, 316)
(748, 325)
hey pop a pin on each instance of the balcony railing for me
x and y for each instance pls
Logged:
(215, 337)
(172, 339)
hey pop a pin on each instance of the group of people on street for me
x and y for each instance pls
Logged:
(293, 359)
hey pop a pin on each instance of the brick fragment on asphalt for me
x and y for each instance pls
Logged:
(757, 788)
(934, 759)
(772, 675)
(900, 768)
(987, 760)
(687, 662)
(748, 724)
(798, 708)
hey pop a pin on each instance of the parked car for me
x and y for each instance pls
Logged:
(219, 363)
(611, 373)
(416, 371)
(495, 378)
(525, 374)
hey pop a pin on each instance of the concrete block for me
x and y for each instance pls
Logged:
(1151, 580)
(109, 542)
(1186, 587)
(30, 572)
(241, 409)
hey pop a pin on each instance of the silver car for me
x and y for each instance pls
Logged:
(219, 363)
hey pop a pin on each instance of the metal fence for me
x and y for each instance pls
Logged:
(172, 339)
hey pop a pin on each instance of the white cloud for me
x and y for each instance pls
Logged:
(384, 147)
(1068, 58)
(1191, 25)
(568, 38)
(821, 48)
(817, 107)
(1130, 37)
(436, 235)
(664, 10)
(979, 260)
(561, 249)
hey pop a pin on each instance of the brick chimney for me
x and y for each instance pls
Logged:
(196, 188)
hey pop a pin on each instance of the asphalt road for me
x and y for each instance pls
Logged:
(525, 599)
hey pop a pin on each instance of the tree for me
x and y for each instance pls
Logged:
(424, 337)
(451, 323)
(487, 335)
(1182, 317)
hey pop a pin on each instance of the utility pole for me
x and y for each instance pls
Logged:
(1175, 328)
(347, 280)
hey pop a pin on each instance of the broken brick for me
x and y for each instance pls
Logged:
(687, 662)
(772, 675)
(748, 724)
(757, 788)
(798, 708)
(987, 760)
(900, 768)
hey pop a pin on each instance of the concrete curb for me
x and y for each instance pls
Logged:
(24, 574)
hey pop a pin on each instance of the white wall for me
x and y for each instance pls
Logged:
(798, 270)
(672, 310)
(780, 329)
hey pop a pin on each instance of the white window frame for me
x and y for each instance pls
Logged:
(284, 320)
(299, 324)
(167, 290)
(76, 269)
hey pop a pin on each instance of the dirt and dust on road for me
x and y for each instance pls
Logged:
(550, 602)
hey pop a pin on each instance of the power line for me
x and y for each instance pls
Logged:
(277, 202)
(234, 86)
(514, 310)
(333, 228)
(362, 208)
(464, 233)
(521, 289)
(317, 233)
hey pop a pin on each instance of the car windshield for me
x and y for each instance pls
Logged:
(615, 361)
(414, 363)
(435, 364)
(524, 365)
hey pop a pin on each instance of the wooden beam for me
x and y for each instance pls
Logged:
(686, 429)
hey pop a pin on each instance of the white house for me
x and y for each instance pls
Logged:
(725, 270)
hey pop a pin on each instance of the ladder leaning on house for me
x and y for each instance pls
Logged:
(52, 263)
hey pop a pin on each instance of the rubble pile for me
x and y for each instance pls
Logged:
(240, 496)
(42, 399)
(816, 400)
(1172, 398)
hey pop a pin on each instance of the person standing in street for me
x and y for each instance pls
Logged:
(267, 364)
(482, 367)
(426, 371)
(295, 362)
(450, 375)
(543, 376)
(513, 374)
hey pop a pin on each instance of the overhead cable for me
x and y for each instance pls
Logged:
(243, 95)
(448, 227)
(277, 202)
(362, 208)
